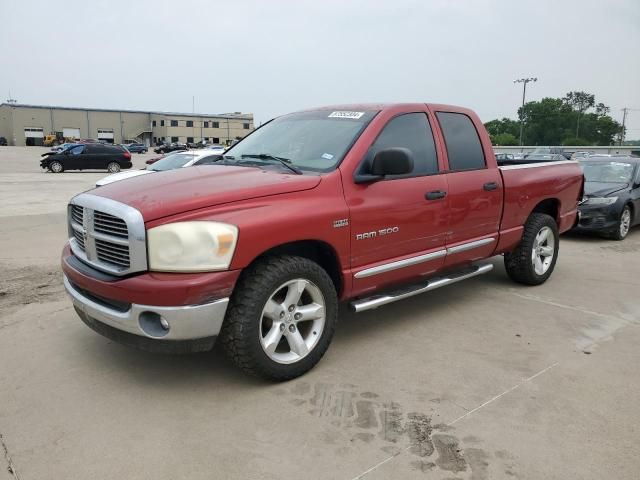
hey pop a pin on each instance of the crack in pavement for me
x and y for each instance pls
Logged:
(11, 468)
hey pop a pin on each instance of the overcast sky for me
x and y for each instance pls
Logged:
(272, 57)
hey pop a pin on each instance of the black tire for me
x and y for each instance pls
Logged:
(519, 263)
(113, 167)
(56, 167)
(619, 234)
(240, 332)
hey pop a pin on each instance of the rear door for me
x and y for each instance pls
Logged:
(475, 191)
(397, 233)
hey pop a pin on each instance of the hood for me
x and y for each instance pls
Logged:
(121, 176)
(599, 189)
(185, 189)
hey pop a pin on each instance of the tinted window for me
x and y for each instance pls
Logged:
(189, 123)
(463, 144)
(215, 124)
(76, 150)
(174, 123)
(410, 131)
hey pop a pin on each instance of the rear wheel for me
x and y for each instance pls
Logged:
(624, 224)
(113, 167)
(56, 167)
(534, 259)
(281, 318)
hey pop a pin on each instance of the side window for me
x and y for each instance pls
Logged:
(463, 144)
(412, 131)
(76, 150)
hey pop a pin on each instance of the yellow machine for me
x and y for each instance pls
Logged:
(56, 139)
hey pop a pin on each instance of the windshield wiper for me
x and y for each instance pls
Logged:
(266, 156)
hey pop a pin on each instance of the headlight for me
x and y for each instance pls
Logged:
(600, 201)
(191, 246)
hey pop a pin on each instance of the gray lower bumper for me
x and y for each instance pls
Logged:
(190, 322)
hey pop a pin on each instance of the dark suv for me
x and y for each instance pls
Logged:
(91, 156)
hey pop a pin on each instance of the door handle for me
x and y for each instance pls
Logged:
(435, 195)
(490, 186)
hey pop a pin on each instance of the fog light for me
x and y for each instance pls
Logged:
(153, 324)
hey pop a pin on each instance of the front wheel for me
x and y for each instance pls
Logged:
(113, 167)
(624, 224)
(56, 167)
(534, 259)
(281, 318)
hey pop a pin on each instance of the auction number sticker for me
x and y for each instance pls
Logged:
(346, 115)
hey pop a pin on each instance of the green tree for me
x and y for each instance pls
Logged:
(558, 121)
(504, 139)
(580, 102)
(501, 127)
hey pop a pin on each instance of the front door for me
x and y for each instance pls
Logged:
(74, 158)
(398, 224)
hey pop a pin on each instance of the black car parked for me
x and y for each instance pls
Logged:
(136, 147)
(91, 156)
(171, 147)
(611, 203)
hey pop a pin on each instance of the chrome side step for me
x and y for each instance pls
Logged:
(376, 301)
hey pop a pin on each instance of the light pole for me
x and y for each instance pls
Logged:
(524, 82)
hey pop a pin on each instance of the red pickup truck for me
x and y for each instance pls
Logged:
(361, 203)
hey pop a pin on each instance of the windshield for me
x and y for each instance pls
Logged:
(171, 162)
(315, 141)
(607, 172)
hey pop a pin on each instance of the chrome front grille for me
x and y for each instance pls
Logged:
(109, 225)
(107, 235)
(113, 253)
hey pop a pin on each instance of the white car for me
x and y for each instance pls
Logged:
(170, 162)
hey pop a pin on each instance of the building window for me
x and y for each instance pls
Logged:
(189, 123)
(246, 126)
(153, 123)
(206, 124)
(215, 124)
(174, 139)
(189, 139)
(155, 140)
(215, 140)
(162, 123)
(174, 123)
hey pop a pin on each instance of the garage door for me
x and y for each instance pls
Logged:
(71, 132)
(33, 132)
(105, 134)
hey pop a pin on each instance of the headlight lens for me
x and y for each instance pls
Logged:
(600, 201)
(191, 246)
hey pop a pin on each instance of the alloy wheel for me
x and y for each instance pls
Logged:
(543, 250)
(625, 222)
(292, 321)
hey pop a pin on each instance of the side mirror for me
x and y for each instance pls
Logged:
(392, 161)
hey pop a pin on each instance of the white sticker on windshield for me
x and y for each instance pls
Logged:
(327, 156)
(346, 114)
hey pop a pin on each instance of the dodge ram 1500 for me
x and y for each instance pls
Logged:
(366, 204)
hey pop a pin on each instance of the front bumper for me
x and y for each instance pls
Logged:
(598, 218)
(158, 328)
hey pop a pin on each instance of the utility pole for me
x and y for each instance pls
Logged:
(524, 82)
(624, 121)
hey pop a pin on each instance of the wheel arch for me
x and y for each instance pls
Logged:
(549, 206)
(315, 250)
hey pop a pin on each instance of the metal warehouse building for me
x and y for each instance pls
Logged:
(29, 124)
